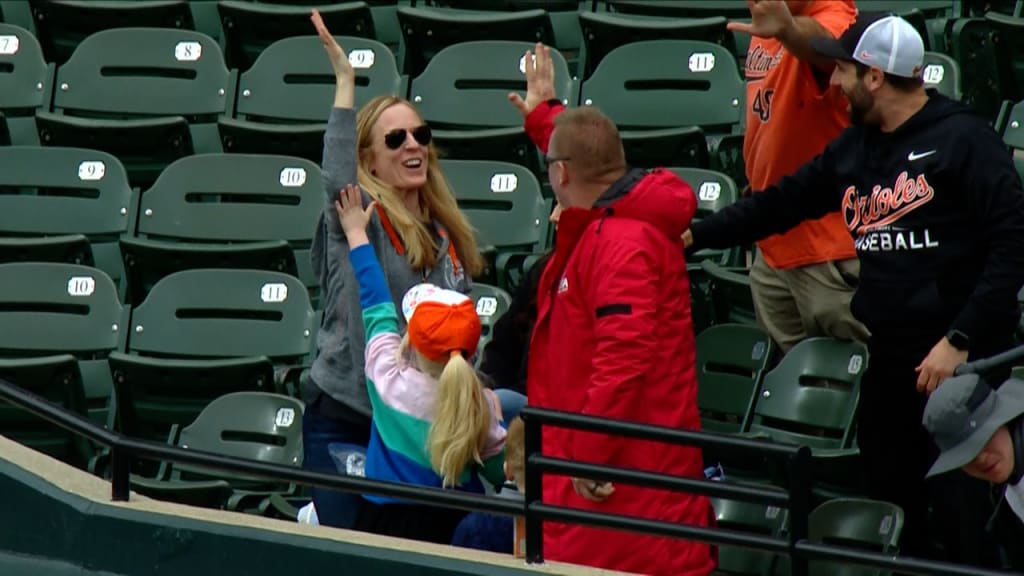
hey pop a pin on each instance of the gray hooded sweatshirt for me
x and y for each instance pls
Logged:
(339, 367)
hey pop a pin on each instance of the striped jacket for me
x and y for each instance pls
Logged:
(403, 398)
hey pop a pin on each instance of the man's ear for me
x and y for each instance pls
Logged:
(875, 78)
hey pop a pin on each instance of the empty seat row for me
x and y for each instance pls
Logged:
(144, 369)
(220, 211)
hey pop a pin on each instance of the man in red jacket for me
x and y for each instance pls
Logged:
(613, 336)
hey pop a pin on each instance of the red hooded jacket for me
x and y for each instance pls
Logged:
(614, 339)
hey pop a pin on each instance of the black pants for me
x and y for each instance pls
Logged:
(412, 521)
(897, 453)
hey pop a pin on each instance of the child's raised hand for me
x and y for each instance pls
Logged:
(354, 218)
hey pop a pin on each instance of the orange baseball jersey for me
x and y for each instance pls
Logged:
(789, 121)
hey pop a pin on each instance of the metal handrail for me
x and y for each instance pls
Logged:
(796, 499)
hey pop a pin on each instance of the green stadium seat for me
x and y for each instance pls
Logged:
(942, 73)
(507, 5)
(731, 360)
(604, 32)
(811, 397)
(565, 23)
(26, 81)
(752, 518)
(727, 157)
(491, 304)
(729, 289)
(250, 27)
(53, 309)
(1009, 37)
(973, 45)
(426, 31)
(683, 146)
(665, 95)
(1013, 134)
(285, 98)
(462, 95)
(204, 333)
(504, 204)
(250, 425)
(148, 105)
(225, 211)
(64, 205)
(856, 523)
(61, 25)
(668, 83)
(58, 380)
(714, 191)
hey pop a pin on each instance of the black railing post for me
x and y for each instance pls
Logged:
(120, 472)
(534, 489)
(800, 483)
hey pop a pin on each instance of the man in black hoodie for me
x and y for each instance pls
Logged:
(929, 193)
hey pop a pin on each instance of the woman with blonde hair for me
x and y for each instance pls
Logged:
(419, 235)
(434, 423)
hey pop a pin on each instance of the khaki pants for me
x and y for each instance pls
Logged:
(800, 303)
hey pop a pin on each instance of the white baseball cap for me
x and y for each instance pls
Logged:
(882, 41)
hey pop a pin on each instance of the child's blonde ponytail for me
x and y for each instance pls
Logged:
(461, 421)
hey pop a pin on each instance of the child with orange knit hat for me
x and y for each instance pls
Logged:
(434, 423)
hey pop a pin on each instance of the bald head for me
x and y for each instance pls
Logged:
(592, 143)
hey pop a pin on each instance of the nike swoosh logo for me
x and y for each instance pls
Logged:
(915, 156)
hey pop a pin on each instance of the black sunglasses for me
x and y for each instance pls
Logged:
(395, 138)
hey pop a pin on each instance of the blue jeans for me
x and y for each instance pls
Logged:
(511, 403)
(322, 435)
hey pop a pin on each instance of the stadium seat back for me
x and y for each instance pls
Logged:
(426, 31)
(714, 190)
(752, 518)
(284, 100)
(221, 313)
(603, 33)
(942, 73)
(85, 196)
(731, 360)
(57, 380)
(859, 523)
(491, 304)
(226, 211)
(251, 27)
(668, 83)
(62, 25)
(147, 105)
(811, 397)
(465, 85)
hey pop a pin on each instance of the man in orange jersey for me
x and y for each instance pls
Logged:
(928, 191)
(802, 280)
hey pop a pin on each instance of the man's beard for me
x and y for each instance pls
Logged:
(860, 105)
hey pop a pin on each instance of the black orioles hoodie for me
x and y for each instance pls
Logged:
(936, 210)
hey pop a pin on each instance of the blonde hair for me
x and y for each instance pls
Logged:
(436, 199)
(462, 414)
(515, 452)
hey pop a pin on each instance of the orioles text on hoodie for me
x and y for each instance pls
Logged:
(936, 210)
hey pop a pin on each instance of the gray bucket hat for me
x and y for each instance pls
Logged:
(964, 412)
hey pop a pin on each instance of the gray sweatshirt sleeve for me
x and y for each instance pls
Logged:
(339, 367)
(339, 162)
